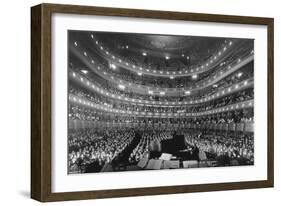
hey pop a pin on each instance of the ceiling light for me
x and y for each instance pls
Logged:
(113, 66)
(84, 71)
(121, 86)
(85, 53)
(144, 53)
(167, 57)
(239, 74)
(187, 92)
(194, 76)
(139, 73)
(150, 92)
(171, 77)
(162, 93)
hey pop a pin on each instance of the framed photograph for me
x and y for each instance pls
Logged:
(132, 102)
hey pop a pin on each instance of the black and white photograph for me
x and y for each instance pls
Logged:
(154, 101)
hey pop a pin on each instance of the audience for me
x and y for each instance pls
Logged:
(245, 73)
(89, 146)
(240, 96)
(143, 147)
(233, 147)
(131, 111)
(238, 116)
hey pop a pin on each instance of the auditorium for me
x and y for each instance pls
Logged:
(142, 102)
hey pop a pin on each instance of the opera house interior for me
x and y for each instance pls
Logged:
(149, 101)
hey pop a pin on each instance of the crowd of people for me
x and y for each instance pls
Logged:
(225, 148)
(244, 74)
(237, 116)
(143, 147)
(97, 147)
(240, 96)
(89, 146)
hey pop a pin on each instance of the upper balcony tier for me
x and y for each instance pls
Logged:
(240, 80)
(110, 103)
(84, 102)
(157, 55)
(118, 75)
(127, 89)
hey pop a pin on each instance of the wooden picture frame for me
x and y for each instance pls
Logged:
(41, 117)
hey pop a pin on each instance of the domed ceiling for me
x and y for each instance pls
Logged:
(196, 48)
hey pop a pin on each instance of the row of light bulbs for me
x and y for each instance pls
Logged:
(240, 105)
(218, 94)
(140, 69)
(194, 76)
